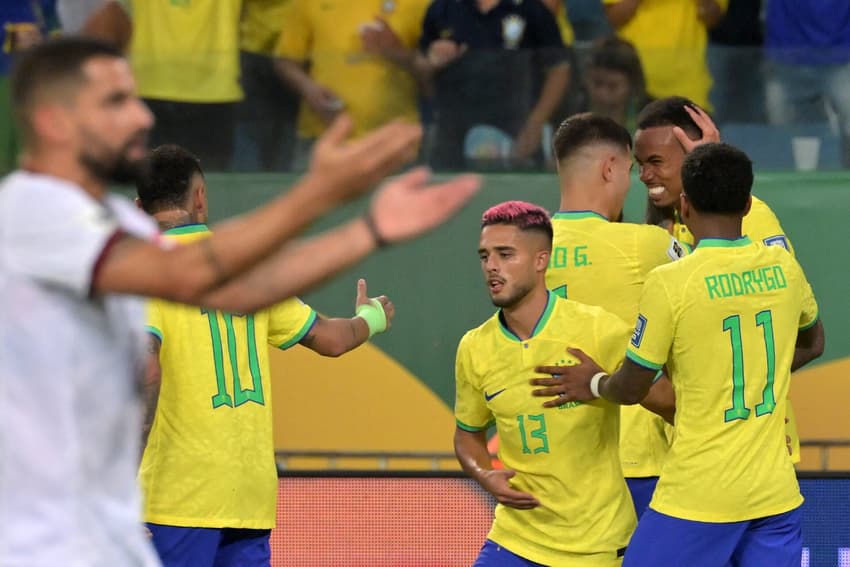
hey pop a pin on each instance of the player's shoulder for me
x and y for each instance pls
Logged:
(482, 332)
(570, 311)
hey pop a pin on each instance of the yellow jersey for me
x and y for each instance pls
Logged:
(761, 225)
(566, 456)
(209, 460)
(186, 50)
(725, 320)
(606, 264)
(327, 35)
(259, 31)
(673, 60)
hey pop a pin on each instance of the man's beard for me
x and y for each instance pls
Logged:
(119, 170)
(518, 295)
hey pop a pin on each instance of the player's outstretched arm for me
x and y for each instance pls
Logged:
(810, 345)
(406, 207)
(472, 454)
(340, 170)
(628, 386)
(335, 337)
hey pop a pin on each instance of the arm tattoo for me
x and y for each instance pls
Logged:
(212, 260)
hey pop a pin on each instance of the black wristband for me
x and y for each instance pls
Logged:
(380, 241)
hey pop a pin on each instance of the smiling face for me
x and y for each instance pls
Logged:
(513, 262)
(659, 157)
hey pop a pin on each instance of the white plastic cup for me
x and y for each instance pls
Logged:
(806, 150)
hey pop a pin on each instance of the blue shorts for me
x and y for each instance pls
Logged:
(776, 541)
(211, 547)
(641, 490)
(494, 555)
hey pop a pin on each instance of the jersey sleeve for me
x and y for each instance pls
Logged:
(289, 322)
(762, 225)
(809, 312)
(612, 337)
(154, 321)
(66, 246)
(430, 27)
(653, 333)
(295, 33)
(471, 411)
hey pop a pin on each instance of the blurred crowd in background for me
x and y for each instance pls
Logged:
(248, 85)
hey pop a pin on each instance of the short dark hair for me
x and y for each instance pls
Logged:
(57, 62)
(582, 130)
(669, 111)
(717, 178)
(523, 215)
(167, 178)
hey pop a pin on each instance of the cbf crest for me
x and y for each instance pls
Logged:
(513, 28)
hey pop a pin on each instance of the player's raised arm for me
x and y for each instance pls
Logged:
(340, 170)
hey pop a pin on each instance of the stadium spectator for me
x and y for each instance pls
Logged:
(808, 47)
(351, 56)
(185, 56)
(562, 478)
(486, 58)
(208, 473)
(736, 63)
(613, 82)
(266, 117)
(728, 494)
(671, 38)
(75, 258)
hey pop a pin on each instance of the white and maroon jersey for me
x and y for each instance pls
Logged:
(71, 364)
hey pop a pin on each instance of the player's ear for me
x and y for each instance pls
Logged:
(684, 205)
(749, 205)
(608, 167)
(542, 261)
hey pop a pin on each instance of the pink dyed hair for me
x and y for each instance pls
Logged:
(523, 215)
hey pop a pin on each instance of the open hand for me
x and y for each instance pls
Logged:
(495, 481)
(364, 299)
(710, 133)
(567, 383)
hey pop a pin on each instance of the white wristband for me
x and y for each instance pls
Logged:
(594, 383)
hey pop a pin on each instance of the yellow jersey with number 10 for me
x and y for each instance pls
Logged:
(725, 321)
(566, 456)
(209, 460)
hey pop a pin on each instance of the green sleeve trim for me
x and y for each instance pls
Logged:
(311, 320)
(154, 331)
(658, 376)
(472, 428)
(812, 324)
(640, 361)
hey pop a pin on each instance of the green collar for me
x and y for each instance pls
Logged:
(187, 229)
(575, 215)
(541, 323)
(724, 242)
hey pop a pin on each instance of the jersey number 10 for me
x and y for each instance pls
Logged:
(240, 395)
(739, 409)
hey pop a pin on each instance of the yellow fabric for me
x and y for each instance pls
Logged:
(209, 458)
(566, 456)
(567, 34)
(326, 34)
(606, 264)
(761, 225)
(261, 24)
(187, 50)
(671, 41)
(725, 320)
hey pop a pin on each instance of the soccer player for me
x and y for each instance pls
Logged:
(72, 257)
(599, 262)
(561, 497)
(668, 128)
(208, 472)
(730, 322)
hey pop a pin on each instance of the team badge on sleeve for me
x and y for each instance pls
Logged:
(676, 250)
(640, 327)
(778, 240)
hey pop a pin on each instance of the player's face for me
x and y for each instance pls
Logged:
(511, 260)
(607, 89)
(111, 122)
(659, 157)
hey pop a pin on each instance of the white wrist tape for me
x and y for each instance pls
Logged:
(594, 383)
